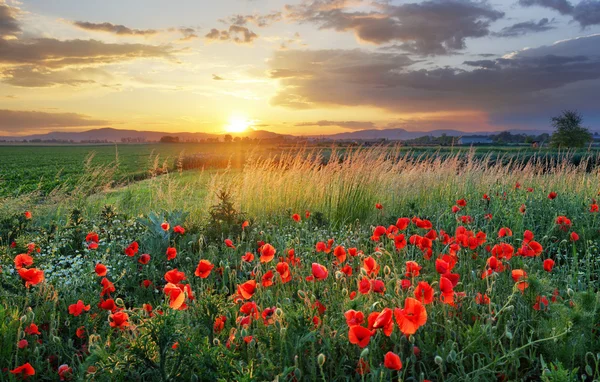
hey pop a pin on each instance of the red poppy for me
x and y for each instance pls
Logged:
(267, 315)
(32, 276)
(179, 229)
(284, 272)
(455, 209)
(412, 317)
(248, 257)
(24, 371)
(402, 223)
(370, 266)
(27, 215)
(461, 202)
(382, 320)
(165, 226)
(362, 367)
(22, 344)
(307, 214)
(219, 324)
(548, 265)
(379, 206)
(319, 271)
(144, 259)
(229, 243)
(412, 269)
(108, 304)
(504, 231)
(594, 208)
(392, 361)
(424, 292)
(80, 332)
(100, 270)
(78, 308)
(354, 318)
(359, 335)
(574, 236)
(177, 294)
(203, 269)
(340, 253)
(119, 320)
(552, 195)
(364, 285)
(267, 279)
(107, 287)
(267, 253)
(296, 218)
(174, 276)
(541, 303)
(132, 249)
(247, 289)
(522, 209)
(377, 286)
(32, 329)
(171, 253)
(347, 270)
(519, 276)
(23, 260)
(482, 299)
(245, 224)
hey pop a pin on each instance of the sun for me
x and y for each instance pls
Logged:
(237, 124)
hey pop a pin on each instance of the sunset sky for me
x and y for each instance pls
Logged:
(295, 66)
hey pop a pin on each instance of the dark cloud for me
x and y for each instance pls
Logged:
(586, 12)
(188, 34)
(120, 30)
(18, 120)
(235, 33)
(427, 28)
(217, 78)
(35, 76)
(351, 125)
(256, 19)
(9, 25)
(527, 27)
(531, 82)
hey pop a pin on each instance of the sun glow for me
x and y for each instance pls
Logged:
(238, 124)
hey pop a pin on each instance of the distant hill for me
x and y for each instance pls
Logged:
(109, 134)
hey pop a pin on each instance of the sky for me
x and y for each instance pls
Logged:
(296, 66)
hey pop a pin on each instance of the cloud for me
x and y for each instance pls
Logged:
(351, 125)
(428, 28)
(9, 26)
(527, 27)
(120, 30)
(256, 19)
(34, 76)
(235, 33)
(217, 78)
(586, 12)
(15, 121)
(534, 82)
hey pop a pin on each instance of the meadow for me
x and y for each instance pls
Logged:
(371, 264)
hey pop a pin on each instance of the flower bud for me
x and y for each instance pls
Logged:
(438, 360)
(321, 359)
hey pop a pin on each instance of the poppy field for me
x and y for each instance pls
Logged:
(368, 268)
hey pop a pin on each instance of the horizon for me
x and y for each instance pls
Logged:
(297, 67)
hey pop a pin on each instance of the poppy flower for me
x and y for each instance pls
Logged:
(229, 243)
(179, 229)
(522, 209)
(78, 308)
(347, 270)
(119, 320)
(32, 329)
(359, 335)
(247, 289)
(171, 253)
(370, 266)
(377, 286)
(165, 226)
(307, 214)
(402, 223)
(319, 271)
(412, 269)
(267, 253)
(447, 290)
(107, 287)
(541, 303)
(80, 332)
(518, 276)
(424, 292)
(548, 265)
(574, 236)
(144, 259)
(482, 299)
(219, 324)
(284, 272)
(504, 231)
(267, 315)
(267, 279)
(379, 206)
(32, 276)
(382, 320)
(411, 317)
(296, 218)
(203, 269)
(552, 195)
(27, 215)
(354, 317)
(108, 304)
(100, 270)
(64, 372)
(340, 253)
(23, 260)
(461, 202)
(174, 276)
(176, 294)
(362, 367)
(248, 257)
(22, 344)
(455, 209)
(132, 249)
(594, 208)
(392, 361)
(364, 285)
(24, 371)
(245, 224)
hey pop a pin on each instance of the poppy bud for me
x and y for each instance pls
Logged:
(570, 292)
(411, 338)
(55, 339)
(278, 313)
(338, 275)
(119, 302)
(364, 353)
(321, 359)
(302, 294)
(23, 319)
(387, 270)
(438, 360)
(344, 292)
(508, 335)
(216, 342)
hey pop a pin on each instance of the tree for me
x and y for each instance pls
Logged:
(569, 132)
(228, 138)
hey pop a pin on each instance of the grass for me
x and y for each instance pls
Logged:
(508, 339)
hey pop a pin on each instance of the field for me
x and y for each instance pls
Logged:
(380, 263)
